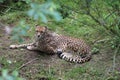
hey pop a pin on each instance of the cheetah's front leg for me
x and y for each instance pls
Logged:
(20, 46)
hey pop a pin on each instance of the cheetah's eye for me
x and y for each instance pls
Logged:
(41, 31)
(37, 31)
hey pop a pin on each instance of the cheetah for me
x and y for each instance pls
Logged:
(67, 48)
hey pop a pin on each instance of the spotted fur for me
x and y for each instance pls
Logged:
(67, 48)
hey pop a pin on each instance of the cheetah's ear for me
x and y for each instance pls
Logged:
(46, 28)
(36, 25)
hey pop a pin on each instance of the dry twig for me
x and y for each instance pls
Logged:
(23, 65)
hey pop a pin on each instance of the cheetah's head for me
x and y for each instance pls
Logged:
(40, 31)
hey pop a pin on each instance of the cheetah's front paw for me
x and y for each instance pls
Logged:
(31, 48)
(13, 46)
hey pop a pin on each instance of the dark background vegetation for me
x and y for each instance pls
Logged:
(95, 21)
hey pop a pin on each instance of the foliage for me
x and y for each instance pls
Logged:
(27, 1)
(20, 31)
(1, 1)
(110, 19)
(37, 12)
(12, 76)
(12, 6)
(42, 11)
(104, 13)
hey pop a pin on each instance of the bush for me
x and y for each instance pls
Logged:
(12, 76)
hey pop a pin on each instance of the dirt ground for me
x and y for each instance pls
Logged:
(34, 65)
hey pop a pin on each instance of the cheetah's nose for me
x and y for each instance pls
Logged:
(38, 35)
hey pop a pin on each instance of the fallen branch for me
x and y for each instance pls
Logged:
(1, 24)
(100, 41)
(23, 65)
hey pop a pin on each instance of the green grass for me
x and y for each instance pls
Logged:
(66, 27)
(85, 29)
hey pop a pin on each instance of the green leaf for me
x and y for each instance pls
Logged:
(28, 1)
(57, 16)
(42, 11)
(36, 17)
(23, 32)
(4, 73)
(8, 77)
(1, 1)
(31, 12)
(1, 78)
(43, 18)
(15, 73)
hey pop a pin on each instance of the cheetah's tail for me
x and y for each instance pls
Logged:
(74, 58)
